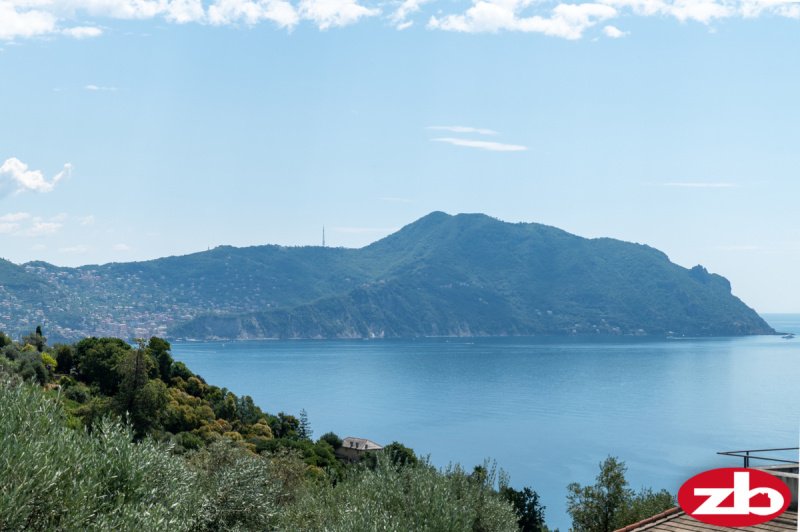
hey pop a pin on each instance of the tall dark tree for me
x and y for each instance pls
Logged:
(530, 513)
(159, 350)
(64, 357)
(304, 429)
(140, 397)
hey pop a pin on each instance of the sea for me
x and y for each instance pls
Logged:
(546, 410)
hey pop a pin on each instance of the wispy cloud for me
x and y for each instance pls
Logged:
(481, 144)
(43, 228)
(228, 12)
(99, 88)
(121, 247)
(86, 220)
(463, 129)
(15, 176)
(407, 8)
(568, 21)
(15, 217)
(7, 228)
(614, 32)
(82, 32)
(334, 13)
(698, 184)
(25, 224)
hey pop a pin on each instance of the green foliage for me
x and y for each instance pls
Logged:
(74, 390)
(67, 462)
(410, 498)
(241, 492)
(530, 513)
(4, 340)
(11, 351)
(400, 455)
(49, 362)
(64, 357)
(179, 370)
(609, 504)
(284, 426)
(304, 431)
(97, 360)
(36, 339)
(54, 477)
(159, 348)
(31, 367)
(332, 439)
(646, 503)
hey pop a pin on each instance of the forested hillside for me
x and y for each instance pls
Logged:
(439, 276)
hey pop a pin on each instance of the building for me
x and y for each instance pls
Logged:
(353, 449)
(676, 520)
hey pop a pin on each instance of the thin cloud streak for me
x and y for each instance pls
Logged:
(481, 144)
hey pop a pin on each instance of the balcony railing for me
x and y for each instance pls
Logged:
(756, 454)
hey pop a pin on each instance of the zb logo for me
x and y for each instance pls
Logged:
(734, 497)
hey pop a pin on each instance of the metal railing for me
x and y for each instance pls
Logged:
(748, 455)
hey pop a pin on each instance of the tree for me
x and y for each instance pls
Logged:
(64, 357)
(246, 410)
(304, 430)
(159, 350)
(530, 513)
(142, 398)
(284, 425)
(97, 360)
(400, 455)
(333, 440)
(609, 504)
(36, 339)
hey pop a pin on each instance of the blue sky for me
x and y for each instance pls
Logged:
(133, 129)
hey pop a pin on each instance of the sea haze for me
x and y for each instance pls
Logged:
(547, 409)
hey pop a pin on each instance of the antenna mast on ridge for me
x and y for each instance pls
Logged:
(323, 236)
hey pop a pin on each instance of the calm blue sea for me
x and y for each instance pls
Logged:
(548, 410)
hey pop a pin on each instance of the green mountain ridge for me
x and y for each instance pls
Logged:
(442, 275)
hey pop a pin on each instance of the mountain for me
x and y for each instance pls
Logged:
(463, 275)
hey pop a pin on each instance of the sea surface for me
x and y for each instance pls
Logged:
(548, 410)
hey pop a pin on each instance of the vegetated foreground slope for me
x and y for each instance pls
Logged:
(442, 275)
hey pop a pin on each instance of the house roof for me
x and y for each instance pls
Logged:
(676, 520)
(361, 444)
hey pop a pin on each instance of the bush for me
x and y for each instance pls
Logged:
(54, 477)
(409, 498)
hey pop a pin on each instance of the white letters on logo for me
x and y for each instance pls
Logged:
(741, 498)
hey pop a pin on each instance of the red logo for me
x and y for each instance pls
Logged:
(734, 496)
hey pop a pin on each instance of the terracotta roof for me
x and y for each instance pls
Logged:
(676, 520)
